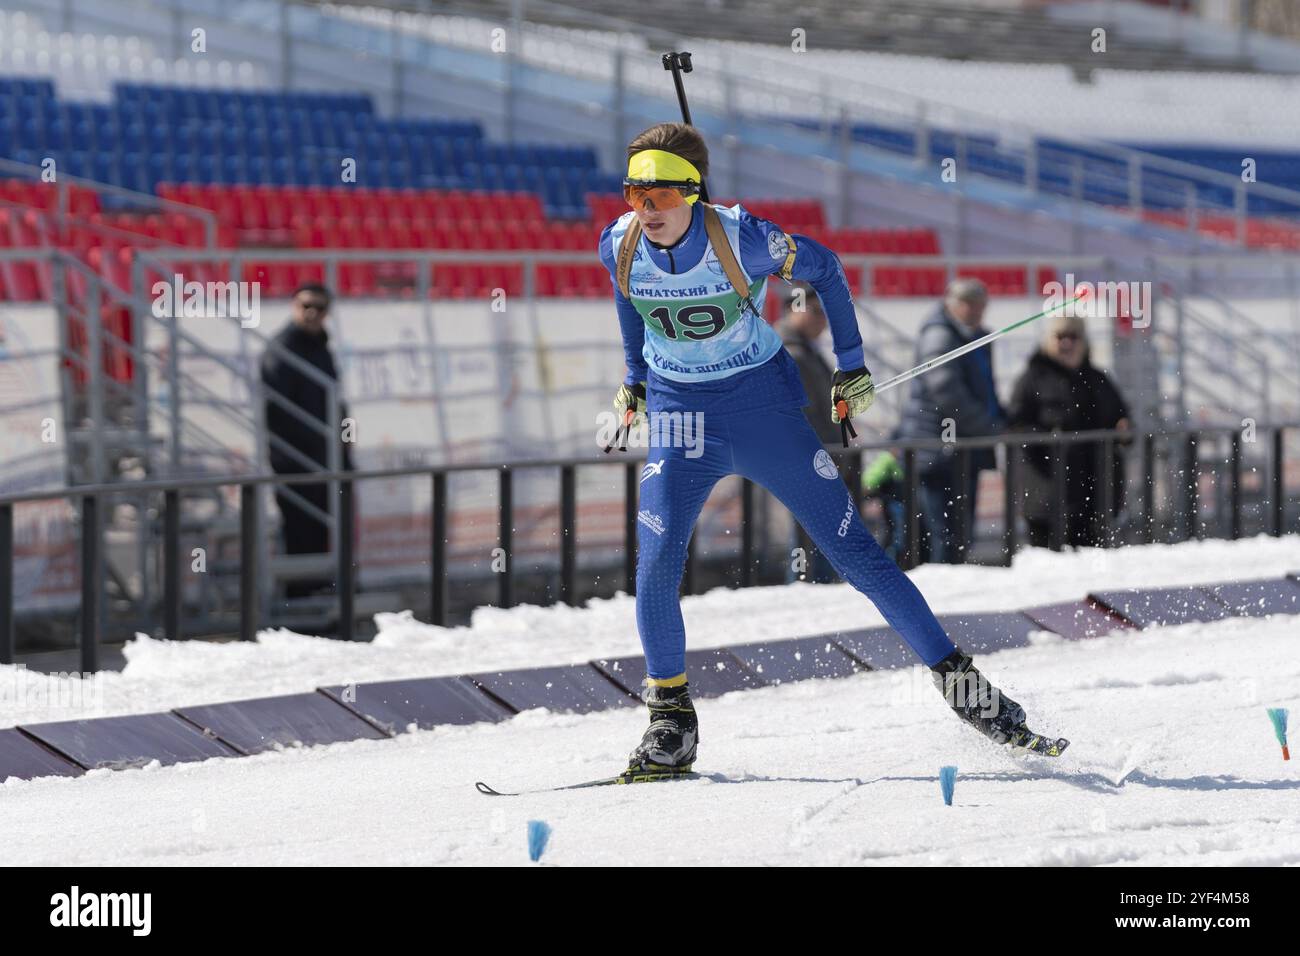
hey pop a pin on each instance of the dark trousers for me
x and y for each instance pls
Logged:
(303, 532)
(944, 537)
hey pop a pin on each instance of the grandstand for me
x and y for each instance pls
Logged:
(395, 155)
(960, 29)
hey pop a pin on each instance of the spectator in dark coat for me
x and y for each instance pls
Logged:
(305, 337)
(962, 393)
(1061, 390)
(803, 322)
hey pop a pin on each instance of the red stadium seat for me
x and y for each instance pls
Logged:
(358, 278)
(598, 281)
(422, 234)
(22, 283)
(444, 280)
(444, 237)
(545, 280)
(492, 238)
(399, 235)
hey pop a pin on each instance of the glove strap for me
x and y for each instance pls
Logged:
(847, 430)
(624, 430)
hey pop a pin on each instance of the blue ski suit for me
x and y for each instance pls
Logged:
(706, 359)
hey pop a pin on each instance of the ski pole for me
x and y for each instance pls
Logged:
(961, 350)
(680, 63)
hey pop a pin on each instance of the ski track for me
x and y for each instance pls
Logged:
(840, 772)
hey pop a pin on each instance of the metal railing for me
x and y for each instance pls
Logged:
(1261, 382)
(1262, 378)
(92, 500)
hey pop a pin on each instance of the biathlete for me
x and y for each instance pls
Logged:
(689, 281)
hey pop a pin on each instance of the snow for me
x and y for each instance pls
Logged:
(163, 674)
(1173, 759)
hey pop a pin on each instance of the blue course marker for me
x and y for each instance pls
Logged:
(538, 834)
(947, 783)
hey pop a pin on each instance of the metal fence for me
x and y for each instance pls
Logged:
(1220, 364)
(92, 500)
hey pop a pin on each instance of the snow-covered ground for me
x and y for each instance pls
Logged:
(1173, 758)
(1173, 761)
(162, 674)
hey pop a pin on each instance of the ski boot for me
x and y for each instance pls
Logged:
(987, 709)
(668, 747)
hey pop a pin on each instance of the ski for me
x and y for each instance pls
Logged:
(1025, 740)
(626, 777)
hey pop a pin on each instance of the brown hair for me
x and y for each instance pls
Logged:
(685, 141)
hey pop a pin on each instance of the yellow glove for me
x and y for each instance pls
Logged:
(629, 405)
(630, 400)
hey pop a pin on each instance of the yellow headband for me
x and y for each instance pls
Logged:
(658, 165)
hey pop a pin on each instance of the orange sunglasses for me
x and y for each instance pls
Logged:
(661, 195)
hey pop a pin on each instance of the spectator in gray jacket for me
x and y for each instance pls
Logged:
(956, 400)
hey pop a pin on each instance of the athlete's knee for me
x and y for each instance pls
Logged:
(659, 562)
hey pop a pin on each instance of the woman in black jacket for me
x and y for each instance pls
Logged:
(1061, 390)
